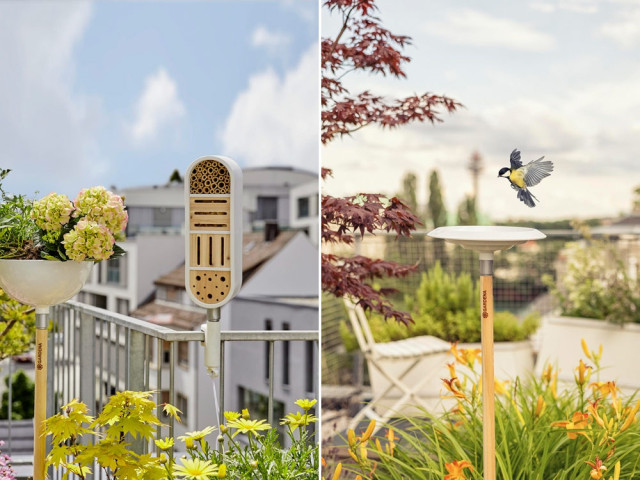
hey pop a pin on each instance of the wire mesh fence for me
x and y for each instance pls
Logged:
(518, 280)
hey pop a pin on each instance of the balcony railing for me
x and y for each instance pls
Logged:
(94, 352)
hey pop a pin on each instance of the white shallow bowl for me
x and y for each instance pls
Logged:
(42, 283)
(486, 239)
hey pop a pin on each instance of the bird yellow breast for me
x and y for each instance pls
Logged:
(517, 178)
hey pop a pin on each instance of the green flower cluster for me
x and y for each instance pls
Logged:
(85, 229)
(88, 240)
(99, 205)
(52, 212)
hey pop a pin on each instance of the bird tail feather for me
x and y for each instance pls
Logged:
(527, 197)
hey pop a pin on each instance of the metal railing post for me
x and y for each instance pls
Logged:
(137, 373)
(86, 362)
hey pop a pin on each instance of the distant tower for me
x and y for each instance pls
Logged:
(475, 167)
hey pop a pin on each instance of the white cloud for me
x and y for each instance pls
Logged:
(47, 130)
(157, 107)
(624, 29)
(578, 6)
(275, 121)
(272, 41)
(471, 27)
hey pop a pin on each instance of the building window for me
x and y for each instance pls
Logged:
(309, 365)
(303, 207)
(267, 208)
(113, 271)
(183, 405)
(285, 358)
(161, 217)
(99, 301)
(183, 354)
(122, 306)
(268, 326)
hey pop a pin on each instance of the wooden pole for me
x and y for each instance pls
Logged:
(40, 410)
(488, 385)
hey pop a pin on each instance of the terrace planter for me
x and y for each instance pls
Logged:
(560, 345)
(512, 359)
(42, 283)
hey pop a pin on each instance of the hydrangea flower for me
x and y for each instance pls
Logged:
(88, 240)
(52, 212)
(99, 205)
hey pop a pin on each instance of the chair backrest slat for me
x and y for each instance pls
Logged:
(360, 325)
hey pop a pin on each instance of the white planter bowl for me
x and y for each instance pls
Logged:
(560, 345)
(511, 360)
(42, 283)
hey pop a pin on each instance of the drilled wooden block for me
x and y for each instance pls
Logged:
(210, 250)
(210, 177)
(210, 286)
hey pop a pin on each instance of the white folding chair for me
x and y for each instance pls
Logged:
(410, 353)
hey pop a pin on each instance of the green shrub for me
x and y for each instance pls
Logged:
(446, 306)
(596, 284)
(22, 398)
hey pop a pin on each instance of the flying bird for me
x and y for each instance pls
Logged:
(522, 177)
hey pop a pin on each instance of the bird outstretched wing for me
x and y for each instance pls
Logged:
(515, 159)
(536, 170)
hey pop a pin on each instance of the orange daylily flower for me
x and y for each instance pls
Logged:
(584, 373)
(597, 469)
(579, 421)
(466, 356)
(450, 385)
(605, 388)
(456, 469)
(540, 406)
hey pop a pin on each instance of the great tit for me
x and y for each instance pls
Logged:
(522, 177)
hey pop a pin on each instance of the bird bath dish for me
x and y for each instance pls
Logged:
(486, 239)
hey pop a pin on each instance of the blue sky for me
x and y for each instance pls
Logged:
(553, 77)
(121, 93)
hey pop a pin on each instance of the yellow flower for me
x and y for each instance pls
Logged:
(585, 349)
(245, 414)
(616, 472)
(298, 419)
(500, 387)
(351, 437)
(631, 417)
(456, 470)
(222, 471)
(198, 435)
(391, 439)
(369, 431)
(231, 416)
(248, 426)
(165, 444)
(336, 474)
(195, 469)
(306, 404)
(540, 406)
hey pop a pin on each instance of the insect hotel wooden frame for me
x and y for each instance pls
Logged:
(213, 242)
